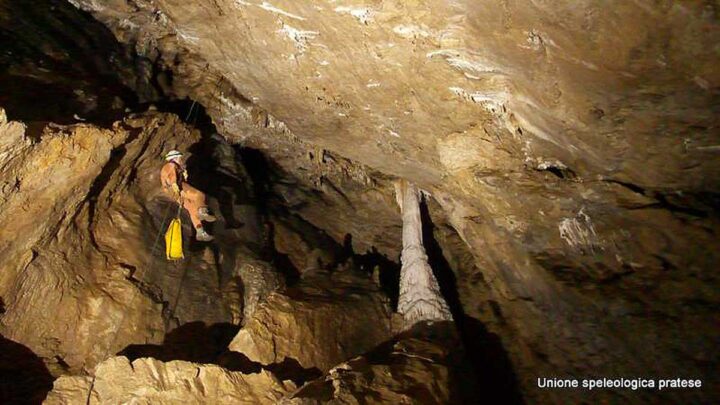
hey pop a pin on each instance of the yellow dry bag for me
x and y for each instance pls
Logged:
(173, 241)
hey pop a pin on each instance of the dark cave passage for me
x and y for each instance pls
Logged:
(24, 378)
(207, 344)
(495, 376)
(58, 63)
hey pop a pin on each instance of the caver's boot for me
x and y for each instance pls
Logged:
(202, 235)
(205, 215)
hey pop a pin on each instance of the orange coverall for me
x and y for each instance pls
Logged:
(192, 198)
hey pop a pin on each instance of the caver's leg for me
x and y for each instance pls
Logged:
(192, 208)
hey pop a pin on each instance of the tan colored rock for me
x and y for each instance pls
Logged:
(50, 256)
(415, 368)
(259, 281)
(82, 209)
(319, 322)
(150, 381)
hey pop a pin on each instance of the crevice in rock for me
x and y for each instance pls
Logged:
(495, 376)
(288, 369)
(669, 201)
(557, 169)
(102, 180)
(630, 186)
(684, 204)
(196, 341)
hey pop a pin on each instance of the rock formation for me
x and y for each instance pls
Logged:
(320, 322)
(259, 281)
(420, 297)
(77, 238)
(421, 366)
(149, 381)
(85, 209)
(570, 146)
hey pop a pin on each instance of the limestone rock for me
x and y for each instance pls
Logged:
(420, 296)
(82, 209)
(259, 281)
(319, 322)
(522, 120)
(150, 381)
(415, 368)
(52, 251)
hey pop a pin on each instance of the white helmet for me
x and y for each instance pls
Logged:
(172, 155)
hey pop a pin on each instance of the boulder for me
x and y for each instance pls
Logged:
(320, 322)
(422, 366)
(150, 381)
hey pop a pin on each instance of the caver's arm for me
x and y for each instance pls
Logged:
(170, 179)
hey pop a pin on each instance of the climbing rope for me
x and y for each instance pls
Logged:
(190, 112)
(171, 315)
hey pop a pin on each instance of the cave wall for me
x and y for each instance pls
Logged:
(83, 269)
(570, 144)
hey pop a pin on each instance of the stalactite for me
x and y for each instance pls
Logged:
(420, 298)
